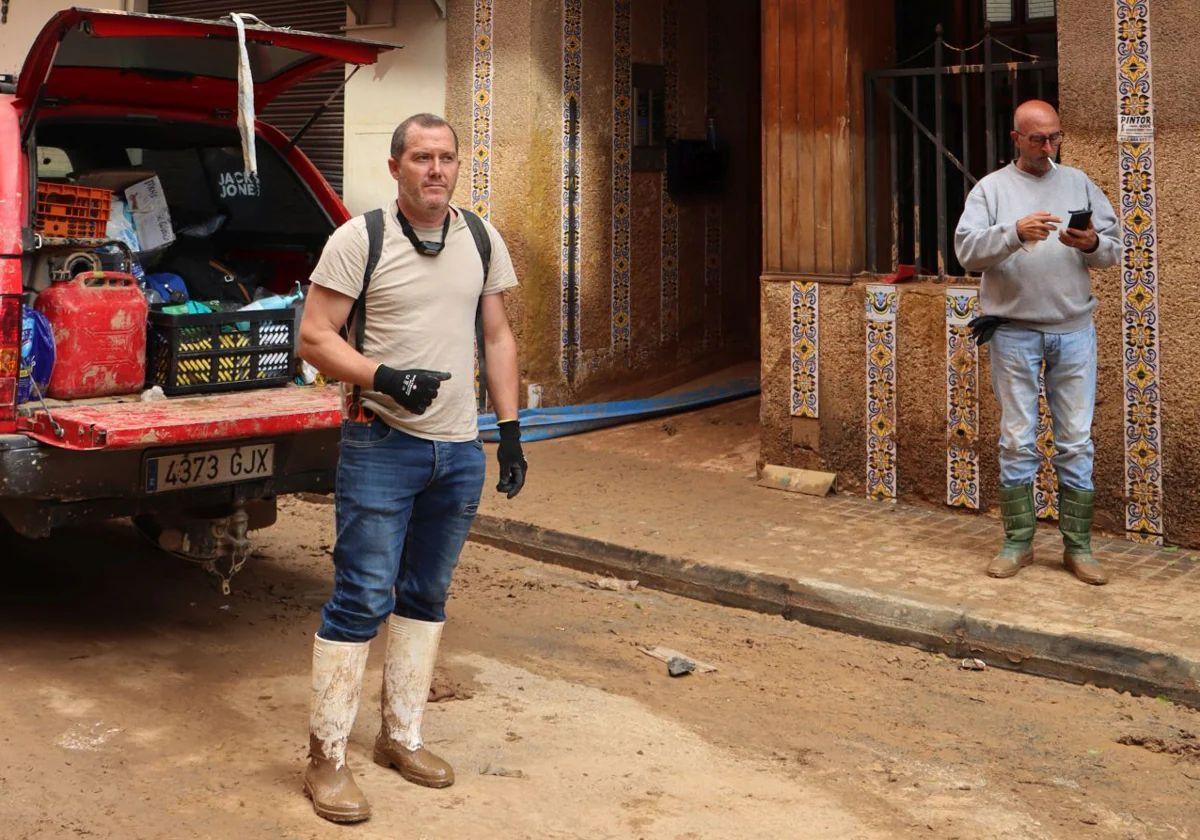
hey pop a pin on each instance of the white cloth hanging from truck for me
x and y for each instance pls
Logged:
(245, 114)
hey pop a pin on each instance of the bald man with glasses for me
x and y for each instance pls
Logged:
(1036, 293)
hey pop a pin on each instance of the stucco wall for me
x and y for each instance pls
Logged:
(403, 82)
(921, 391)
(524, 158)
(1087, 78)
(526, 191)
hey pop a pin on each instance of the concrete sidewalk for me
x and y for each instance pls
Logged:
(673, 503)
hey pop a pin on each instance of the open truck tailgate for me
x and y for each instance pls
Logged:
(101, 56)
(136, 425)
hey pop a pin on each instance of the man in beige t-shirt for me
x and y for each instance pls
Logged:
(420, 314)
(410, 467)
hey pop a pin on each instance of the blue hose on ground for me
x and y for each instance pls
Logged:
(546, 423)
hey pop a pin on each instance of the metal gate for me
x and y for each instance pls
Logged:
(920, 144)
(323, 142)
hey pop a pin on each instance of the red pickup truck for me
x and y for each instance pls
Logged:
(105, 90)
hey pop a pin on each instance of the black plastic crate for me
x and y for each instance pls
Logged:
(220, 351)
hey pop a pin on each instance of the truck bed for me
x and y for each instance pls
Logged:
(133, 424)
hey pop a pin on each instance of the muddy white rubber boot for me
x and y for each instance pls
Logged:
(407, 674)
(337, 675)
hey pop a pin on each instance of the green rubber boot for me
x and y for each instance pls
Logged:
(1020, 522)
(1075, 509)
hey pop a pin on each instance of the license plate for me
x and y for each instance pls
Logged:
(213, 466)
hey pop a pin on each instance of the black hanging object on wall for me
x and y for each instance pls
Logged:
(695, 168)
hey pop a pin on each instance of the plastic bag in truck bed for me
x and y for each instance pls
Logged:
(37, 355)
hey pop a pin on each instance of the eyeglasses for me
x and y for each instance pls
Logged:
(1040, 139)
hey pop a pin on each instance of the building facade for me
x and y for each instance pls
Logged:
(616, 145)
(688, 185)
(904, 407)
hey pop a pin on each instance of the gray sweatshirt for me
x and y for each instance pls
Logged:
(1043, 285)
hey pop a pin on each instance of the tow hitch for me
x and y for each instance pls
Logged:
(220, 545)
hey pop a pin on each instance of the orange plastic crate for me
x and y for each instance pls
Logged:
(72, 211)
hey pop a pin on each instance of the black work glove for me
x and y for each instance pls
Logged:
(983, 326)
(413, 389)
(512, 460)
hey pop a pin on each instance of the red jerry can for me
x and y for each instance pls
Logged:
(99, 324)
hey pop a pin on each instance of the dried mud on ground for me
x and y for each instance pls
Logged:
(138, 702)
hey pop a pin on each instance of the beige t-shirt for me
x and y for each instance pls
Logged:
(420, 313)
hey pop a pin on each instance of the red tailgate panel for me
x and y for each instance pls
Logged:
(215, 417)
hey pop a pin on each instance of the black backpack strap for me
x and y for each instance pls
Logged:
(357, 320)
(483, 243)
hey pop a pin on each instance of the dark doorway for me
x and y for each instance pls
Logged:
(962, 69)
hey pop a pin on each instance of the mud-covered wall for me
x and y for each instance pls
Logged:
(1088, 94)
(519, 72)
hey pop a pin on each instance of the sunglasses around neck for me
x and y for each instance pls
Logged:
(424, 247)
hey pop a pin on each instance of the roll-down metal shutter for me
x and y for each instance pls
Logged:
(323, 141)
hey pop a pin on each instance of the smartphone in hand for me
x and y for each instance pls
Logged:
(1080, 219)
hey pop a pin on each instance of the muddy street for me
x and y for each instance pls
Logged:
(139, 702)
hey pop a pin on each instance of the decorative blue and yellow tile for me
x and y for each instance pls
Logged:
(572, 95)
(669, 210)
(882, 303)
(1045, 483)
(1139, 274)
(621, 176)
(805, 349)
(962, 399)
(713, 215)
(712, 274)
(481, 111)
(481, 130)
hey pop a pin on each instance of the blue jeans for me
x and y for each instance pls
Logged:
(404, 507)
(1017, 356)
